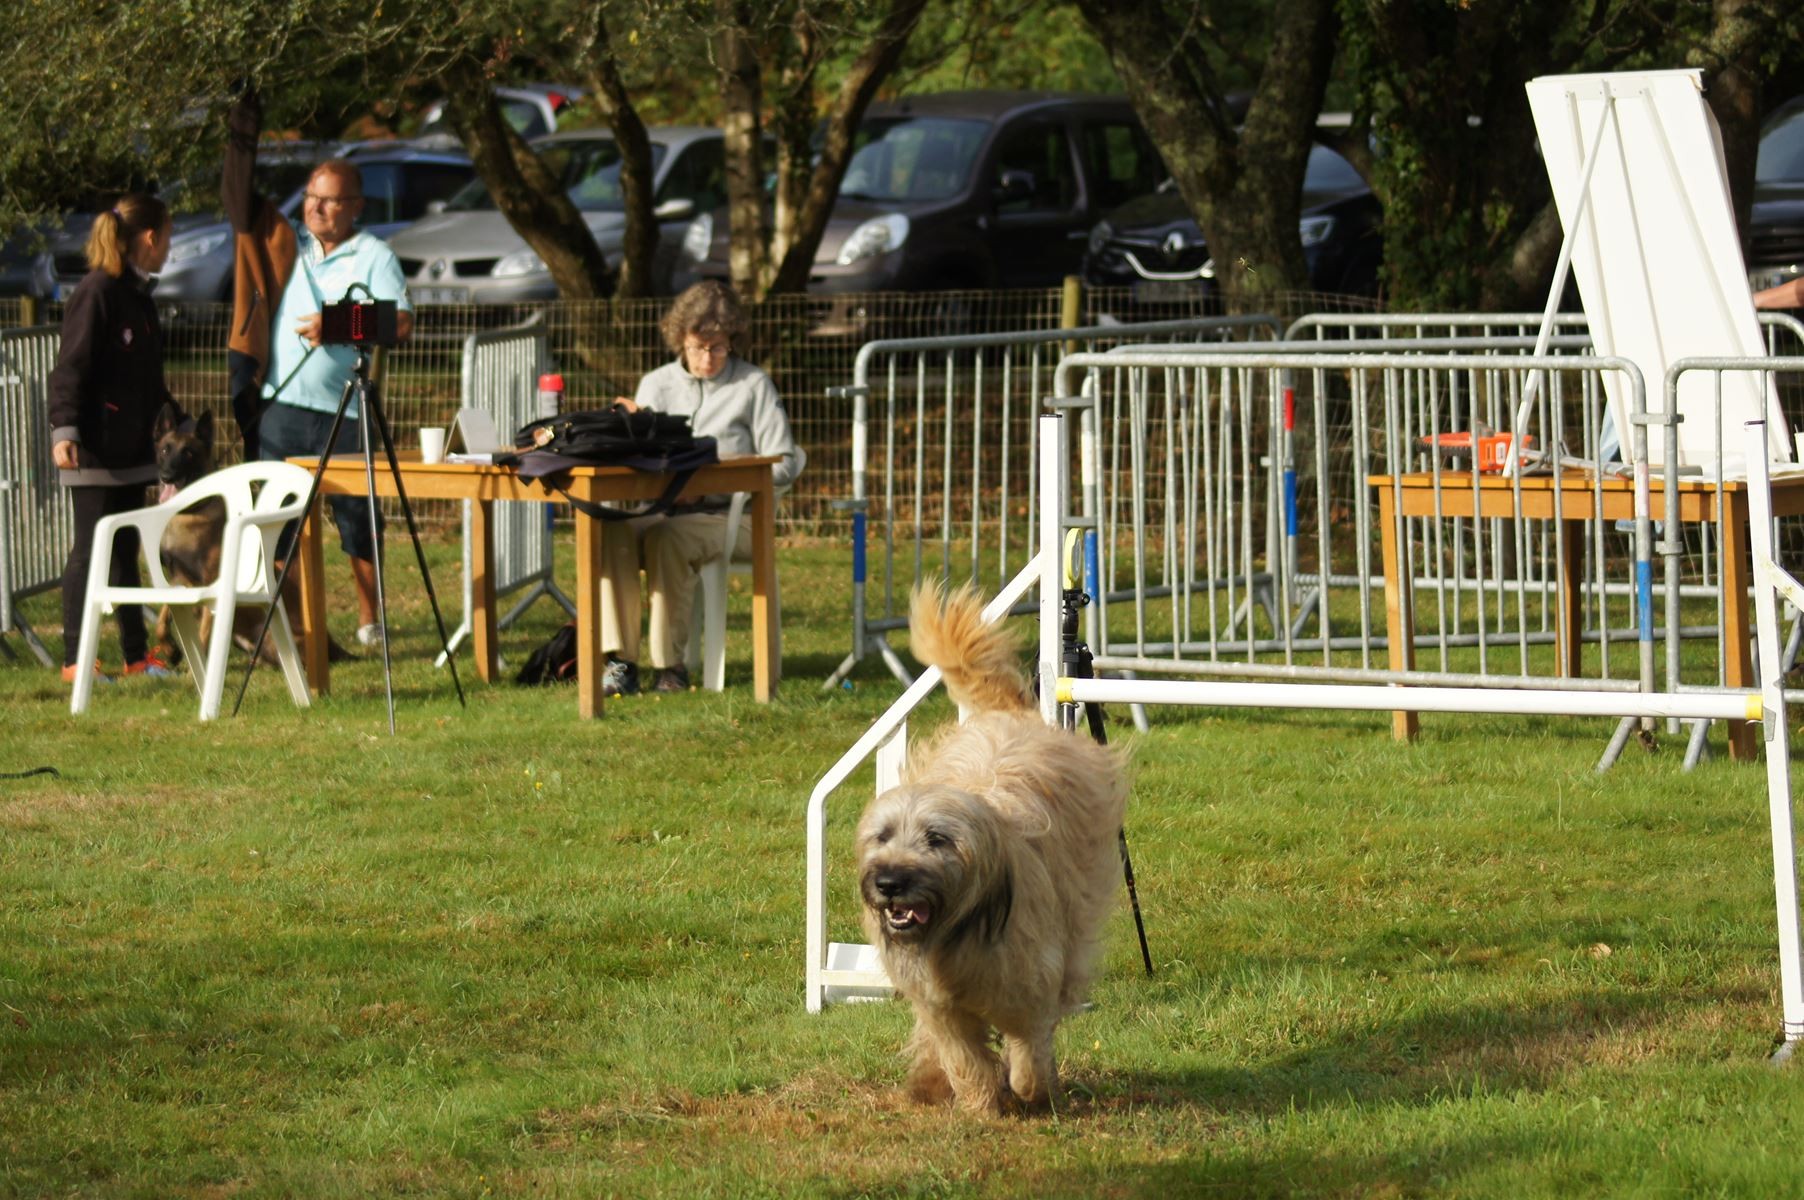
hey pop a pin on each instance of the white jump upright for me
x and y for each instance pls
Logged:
(1770, 582)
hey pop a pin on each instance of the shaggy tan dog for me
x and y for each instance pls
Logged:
(987, 875)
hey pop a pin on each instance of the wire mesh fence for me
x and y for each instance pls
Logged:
(807, 344)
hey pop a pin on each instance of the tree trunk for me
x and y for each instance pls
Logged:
(641, 236)
(1245, 185)
(794, 249)
(742, 103)
(1732, 81)
(526, 193)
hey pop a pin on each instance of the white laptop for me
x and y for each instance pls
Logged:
(473, 437)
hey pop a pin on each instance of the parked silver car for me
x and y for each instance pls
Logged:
(469, 254)
(532, 109)
(399, 183)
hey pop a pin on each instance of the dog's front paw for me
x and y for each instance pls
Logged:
(927, 1084)
(982, 1101)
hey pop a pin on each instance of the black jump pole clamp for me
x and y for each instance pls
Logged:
(1075, 662)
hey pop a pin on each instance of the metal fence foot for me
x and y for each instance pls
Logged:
(1618, 740)
(896, 666)
(840, 672)
(1697, 748)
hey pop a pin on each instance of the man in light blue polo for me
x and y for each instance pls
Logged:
(306, 379)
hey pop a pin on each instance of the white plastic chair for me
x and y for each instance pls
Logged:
(707, 650)
(260, 498)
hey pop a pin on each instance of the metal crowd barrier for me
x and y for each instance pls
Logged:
(1235, 530)
(1226, 487)
(37, 525)
(953, 420)
(1339, 328)
(500, 376)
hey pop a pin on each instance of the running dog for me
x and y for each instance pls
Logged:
(987, 875)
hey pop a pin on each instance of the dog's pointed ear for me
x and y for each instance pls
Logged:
(168, 417)
(203, 429)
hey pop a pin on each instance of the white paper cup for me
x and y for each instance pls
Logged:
(432, 444)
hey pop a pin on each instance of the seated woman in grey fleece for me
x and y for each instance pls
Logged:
(733, 402)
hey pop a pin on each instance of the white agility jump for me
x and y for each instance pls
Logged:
(842, 971)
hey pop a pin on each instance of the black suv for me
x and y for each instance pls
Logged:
(962, 190)
(1776, 222)
(1155, 246)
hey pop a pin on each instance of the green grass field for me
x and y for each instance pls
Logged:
(509, 953)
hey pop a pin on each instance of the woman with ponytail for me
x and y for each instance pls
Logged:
(105, 393)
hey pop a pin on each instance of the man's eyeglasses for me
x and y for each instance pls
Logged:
(713, 349)
(327, 201)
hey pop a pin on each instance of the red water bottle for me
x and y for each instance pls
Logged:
(551, 395)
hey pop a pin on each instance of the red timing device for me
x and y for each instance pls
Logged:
(1490, 451)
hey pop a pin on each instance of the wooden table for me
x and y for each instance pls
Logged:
(482, 484)
(1578, 503)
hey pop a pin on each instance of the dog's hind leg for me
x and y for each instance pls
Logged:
(163, 640)
(960, 1042)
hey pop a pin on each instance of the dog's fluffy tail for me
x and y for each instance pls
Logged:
(981, 663)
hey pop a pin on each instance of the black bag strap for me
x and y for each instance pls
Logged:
(662, 506)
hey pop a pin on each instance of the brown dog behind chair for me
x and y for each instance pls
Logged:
(193, 539)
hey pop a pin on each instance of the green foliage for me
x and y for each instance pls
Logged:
(1033, 47)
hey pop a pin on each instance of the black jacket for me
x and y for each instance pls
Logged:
(108, 384)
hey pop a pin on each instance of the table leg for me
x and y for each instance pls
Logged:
(1738, 667)
(1399, 629)
(1572, 610)
(310, 581)
(764, 589)
(483, 638)
(588, 615)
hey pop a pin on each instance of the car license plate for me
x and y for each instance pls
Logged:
(439, 295)
(1167, 291)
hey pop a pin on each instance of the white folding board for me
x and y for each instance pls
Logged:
(1655, 251)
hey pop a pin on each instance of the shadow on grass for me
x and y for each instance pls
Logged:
(1423, 1059)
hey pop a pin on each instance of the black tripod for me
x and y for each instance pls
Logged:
(1075, 663)
(375, 424)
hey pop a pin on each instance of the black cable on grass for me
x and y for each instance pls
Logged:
(30, 773)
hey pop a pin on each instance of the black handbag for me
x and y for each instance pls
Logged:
(643, 439)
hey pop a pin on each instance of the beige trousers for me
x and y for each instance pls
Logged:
(671, 551)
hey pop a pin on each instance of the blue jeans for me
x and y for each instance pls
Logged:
(287, 431)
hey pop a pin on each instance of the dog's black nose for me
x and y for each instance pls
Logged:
(891, 883)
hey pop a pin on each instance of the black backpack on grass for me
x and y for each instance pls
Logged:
(554, 662)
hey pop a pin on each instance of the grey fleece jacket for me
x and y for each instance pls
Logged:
(739, 408)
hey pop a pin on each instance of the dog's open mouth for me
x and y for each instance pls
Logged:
(165, 490)
(907, 918)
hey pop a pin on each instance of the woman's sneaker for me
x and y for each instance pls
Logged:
(620, 678)
(99, 675)
(672, 679)
(150, 666)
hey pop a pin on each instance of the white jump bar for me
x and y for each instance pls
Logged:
(1722, 706)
